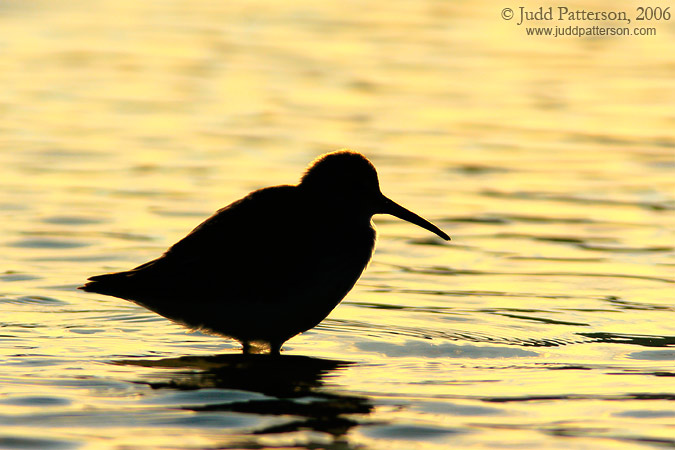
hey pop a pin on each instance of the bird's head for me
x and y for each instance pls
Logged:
(347, 182)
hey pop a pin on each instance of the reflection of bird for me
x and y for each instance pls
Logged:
(294, 376)
(296, 390)
(273, 264)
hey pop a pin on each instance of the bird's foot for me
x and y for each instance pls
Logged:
(255, 348)
(275, 348)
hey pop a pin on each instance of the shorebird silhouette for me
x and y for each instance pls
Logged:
(272, 264)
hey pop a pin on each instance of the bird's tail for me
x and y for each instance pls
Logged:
(115, 284)
(130, 284)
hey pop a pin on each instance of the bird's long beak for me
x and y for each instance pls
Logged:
(388, 206)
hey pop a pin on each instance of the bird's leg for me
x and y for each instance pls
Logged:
(246, 347)
(275, 348)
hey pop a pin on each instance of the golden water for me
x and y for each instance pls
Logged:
(546, 323)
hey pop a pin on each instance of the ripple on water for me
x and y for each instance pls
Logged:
(35, 400)
(440, 270)
(505, 219)
(218, 421)
(478, 169)
(618, 303)
(623, 249)
(646, 414)
(455, 409)
(28, 443)
(410, 432)
(201, 398)
(427, 333)
(644, 340)
(72, 220)
(33, 299)
(654, 355)
(511, 313)
(445, 350)
(47, 244)
(10, 275)
(549, 196)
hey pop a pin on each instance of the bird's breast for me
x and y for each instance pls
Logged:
(341, 259)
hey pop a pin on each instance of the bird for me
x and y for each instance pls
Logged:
(272, 264)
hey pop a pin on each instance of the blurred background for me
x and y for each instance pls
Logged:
(547, 322)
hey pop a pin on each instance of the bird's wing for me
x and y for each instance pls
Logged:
(247, 248)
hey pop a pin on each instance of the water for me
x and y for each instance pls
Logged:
(546, 323)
